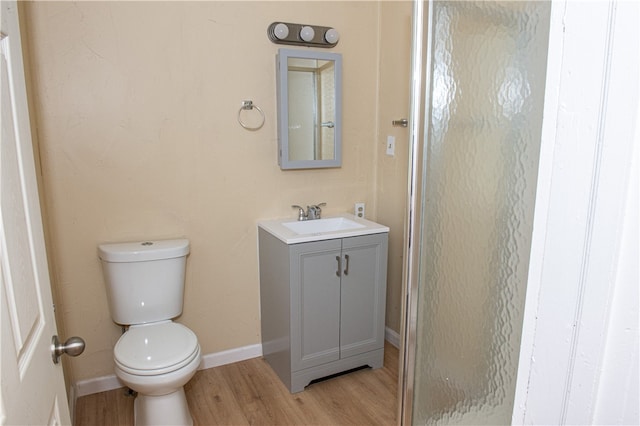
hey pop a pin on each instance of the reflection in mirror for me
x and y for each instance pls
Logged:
(309, 94)
(311, 109)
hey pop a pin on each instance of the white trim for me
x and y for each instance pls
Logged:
(230, 356)
(577, 231)
(543, 193)
(619, 390)
(110, 382)
(392, 337)
(96, 385)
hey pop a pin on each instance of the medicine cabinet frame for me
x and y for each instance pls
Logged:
(284, 119)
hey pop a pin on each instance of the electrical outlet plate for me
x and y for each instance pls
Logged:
(359, 210)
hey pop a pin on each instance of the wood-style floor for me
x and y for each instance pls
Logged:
(250, 393)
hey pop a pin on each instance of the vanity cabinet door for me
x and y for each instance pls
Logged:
(363, 294)
(315, 304)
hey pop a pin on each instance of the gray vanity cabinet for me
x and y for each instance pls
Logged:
(322, 305)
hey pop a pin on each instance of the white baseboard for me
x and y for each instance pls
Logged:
(97, 384)
(110, 382)
(230, 356)
(392, 337)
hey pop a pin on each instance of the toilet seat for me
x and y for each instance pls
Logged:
(156, 348)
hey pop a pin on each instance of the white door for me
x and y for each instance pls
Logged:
(32, 387)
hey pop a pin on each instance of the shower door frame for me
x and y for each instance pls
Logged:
(419, 108)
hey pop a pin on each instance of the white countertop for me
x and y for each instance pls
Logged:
(278, 228)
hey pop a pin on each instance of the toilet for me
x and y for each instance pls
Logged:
(155, 357)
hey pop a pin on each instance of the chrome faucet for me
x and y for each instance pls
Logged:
(313, 211)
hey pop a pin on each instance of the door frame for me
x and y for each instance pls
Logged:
(589, 139)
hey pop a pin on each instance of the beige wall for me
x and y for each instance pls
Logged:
(135, 106)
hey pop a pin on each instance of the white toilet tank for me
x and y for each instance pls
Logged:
(144, 280)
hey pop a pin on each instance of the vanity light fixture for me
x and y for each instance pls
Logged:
(303, 34)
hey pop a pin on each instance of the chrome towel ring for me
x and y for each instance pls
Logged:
(248, 105)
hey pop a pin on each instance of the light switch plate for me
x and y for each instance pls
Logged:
(391, 145)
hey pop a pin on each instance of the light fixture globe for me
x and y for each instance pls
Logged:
(307, 33)
(281, 31)
(332, 36)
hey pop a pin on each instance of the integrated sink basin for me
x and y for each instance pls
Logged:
(340, 226)
(316, 226)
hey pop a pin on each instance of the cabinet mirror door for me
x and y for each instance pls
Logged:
(309, 109)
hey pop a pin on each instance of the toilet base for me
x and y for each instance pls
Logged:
(170, 409)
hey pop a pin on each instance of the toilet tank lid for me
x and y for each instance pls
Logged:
(141, 251)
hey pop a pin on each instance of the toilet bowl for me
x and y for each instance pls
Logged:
(157, 360)
(155, 357)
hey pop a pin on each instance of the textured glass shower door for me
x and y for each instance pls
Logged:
(486, 65)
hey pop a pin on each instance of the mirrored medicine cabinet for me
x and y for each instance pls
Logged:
(309, 86)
